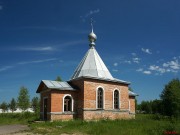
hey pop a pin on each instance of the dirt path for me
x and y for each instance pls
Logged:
(10, 129)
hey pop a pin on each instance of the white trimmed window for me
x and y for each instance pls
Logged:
(67, 103)
(100, 98)
(116, 101)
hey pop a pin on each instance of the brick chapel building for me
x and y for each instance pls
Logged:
(92, 93)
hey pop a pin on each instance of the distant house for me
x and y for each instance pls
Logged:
(92, 92)
(18, 110)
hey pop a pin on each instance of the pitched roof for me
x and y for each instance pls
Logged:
(54, 85)
(92, 65)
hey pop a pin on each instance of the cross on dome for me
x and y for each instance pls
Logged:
(92, 24)
(92, 36)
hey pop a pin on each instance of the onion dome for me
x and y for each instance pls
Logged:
(92, 36)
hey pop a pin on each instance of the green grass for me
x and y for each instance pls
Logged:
(17, 118)
(142, 125)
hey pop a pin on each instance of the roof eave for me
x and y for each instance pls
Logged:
(132, 94)
(103, 79)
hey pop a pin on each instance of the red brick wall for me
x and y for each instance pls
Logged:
(57, 99)
(55, 117)
(132, 104)
(97, 115)
(85, 99)
(79, 84)
(55, 103)
(90, 87)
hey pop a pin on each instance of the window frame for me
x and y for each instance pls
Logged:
(72, 103)
(119, 99)
(103, 97)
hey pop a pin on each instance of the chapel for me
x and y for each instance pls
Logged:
(92, 93)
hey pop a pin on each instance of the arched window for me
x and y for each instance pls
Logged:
(100, 98)
(116, 99)
(67, 104)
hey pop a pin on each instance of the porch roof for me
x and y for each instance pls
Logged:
(54, 85)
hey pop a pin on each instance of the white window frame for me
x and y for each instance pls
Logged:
(72, 105)
(119, 98)
(97, 97)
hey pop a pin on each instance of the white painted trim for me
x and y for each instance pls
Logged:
(72, 105)
(43, 105)
(62, 113)
(129, 106)
(119, 98)
(103, 97)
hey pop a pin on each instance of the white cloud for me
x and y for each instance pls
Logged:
(165, 65)
(115, 70)
(5, 68)
(115, 64)
(136, 60)
(157, 68)
(139, 70)
(91, 12)
(127, 61)
(46, 48)
(147, 72)
(37, 61)
(146, 51)
(71, 43)
(174, 64)
(154, 67)
(27, 62)
(133, 54)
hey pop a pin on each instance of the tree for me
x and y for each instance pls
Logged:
(23, 99)
(171, 98)
(58, 79)
(156, 106)
(4, 106)
(13, 105)
(35, 104)
(145, 106)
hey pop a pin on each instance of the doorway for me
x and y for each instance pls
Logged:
(45, 108)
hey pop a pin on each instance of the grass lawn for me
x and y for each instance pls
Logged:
(142, 125)
(16, 118)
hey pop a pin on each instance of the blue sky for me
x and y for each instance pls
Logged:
(41, 39)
